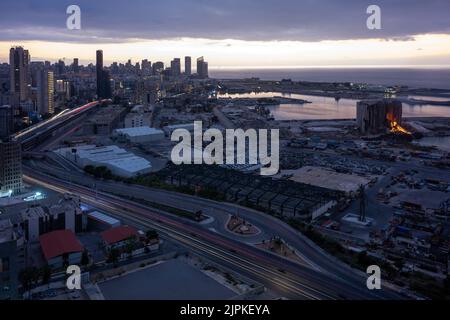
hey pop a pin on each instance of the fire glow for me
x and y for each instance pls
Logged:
(396, 128)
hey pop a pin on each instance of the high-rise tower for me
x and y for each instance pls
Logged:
(187, 66)
(20, 79)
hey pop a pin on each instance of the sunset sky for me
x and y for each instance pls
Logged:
(233, 33)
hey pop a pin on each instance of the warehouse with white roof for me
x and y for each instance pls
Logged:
(170, 129)
(119, 161)
(100, 221)
(139, 134)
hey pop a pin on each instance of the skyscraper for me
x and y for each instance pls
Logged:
(19, 60)
(106, 78)
(6, 122)
(49, 91)
(45, 92)
(202, 68)
(205, 71)
(158, 67)
(42, 80)
(75, 66)
(146, 67)
(10, 156)
(187, 66)
(10, 167)
(60, 67)
(175, 66)
(103, 78)
(99, 70)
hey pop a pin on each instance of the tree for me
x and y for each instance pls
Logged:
(89, 169)
(129, 247)
(113, 255)
(102, 172)
(98, 172)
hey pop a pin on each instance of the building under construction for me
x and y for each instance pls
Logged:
(379, 116)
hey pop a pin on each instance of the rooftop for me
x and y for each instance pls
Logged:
(139, 131)
(180, 126)
(326, 178)
(103, 217)
(57, 243)
(109, 155)
(118, 234)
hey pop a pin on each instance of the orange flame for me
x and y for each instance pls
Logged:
(395, 127)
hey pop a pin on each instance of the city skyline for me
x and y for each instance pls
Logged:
(225, 155)
(424, 51)
(235, 34)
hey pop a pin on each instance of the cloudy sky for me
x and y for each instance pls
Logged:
(233, 33)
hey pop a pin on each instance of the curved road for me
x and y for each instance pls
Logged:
(301, 282)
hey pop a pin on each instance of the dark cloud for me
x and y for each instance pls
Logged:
(304, 20)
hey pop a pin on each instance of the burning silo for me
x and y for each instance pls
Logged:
(379, 116)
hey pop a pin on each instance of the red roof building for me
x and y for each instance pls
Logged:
(118, 234)
(58, 243)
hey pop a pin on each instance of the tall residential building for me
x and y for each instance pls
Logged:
(10, 149)
(146, 67)
(6, 122)
(75, 65)
(60, 67)
(20, 86)
(202, 68)
(5, 97)
(10, 167)
(106, 84)
(43, 87)
(158, 67)
(103, 78)
(46, 92)
(175, 67)
(205, 71)
(187, 66)
(99, 70)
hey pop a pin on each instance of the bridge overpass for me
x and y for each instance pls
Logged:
(36, 134)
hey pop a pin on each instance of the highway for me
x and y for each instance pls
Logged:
(290, 279)
(323, 277)
(310, 253)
